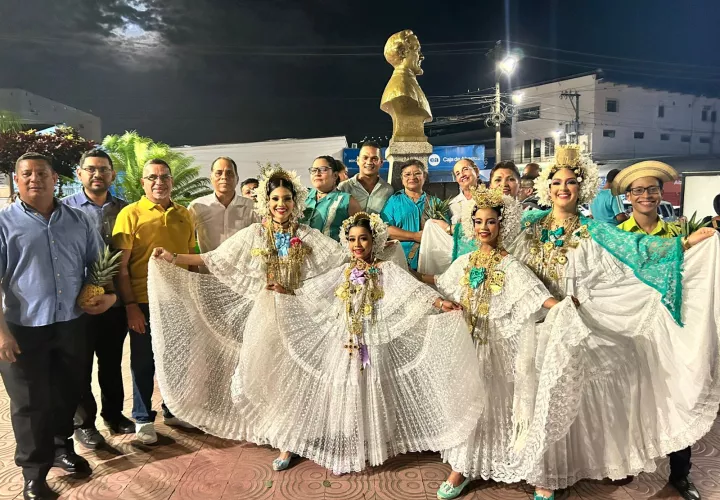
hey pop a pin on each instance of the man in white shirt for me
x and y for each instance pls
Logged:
(219, 215)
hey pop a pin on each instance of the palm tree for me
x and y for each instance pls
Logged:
(131, 151)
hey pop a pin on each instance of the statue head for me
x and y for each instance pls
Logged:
(403, 50)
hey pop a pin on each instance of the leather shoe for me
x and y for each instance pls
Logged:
(686, 488)
(73, 463)
(38, 489)
(89, 438)
(122, 425)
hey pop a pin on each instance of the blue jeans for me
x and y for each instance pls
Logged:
(142, 366)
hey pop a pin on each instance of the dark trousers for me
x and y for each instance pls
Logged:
(680, 464)
(105, 337)
(44, 388)
(142, 366)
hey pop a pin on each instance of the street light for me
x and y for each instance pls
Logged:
(508, 64)
(518, 97)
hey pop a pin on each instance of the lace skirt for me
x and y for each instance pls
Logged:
(649, 386)
(322, 406)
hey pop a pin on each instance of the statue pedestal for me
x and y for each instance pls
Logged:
(400, 152)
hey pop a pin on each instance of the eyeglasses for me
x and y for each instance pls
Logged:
(96, 170)
(162, 178)
(319, 170)
(228, 173)
(414, 175)
(638, 191)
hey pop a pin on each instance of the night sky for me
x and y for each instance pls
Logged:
(213, 71)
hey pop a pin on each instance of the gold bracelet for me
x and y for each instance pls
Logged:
(685, 243)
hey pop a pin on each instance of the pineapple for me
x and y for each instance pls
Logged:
(688, 227)
(101, 275)
(438, 209)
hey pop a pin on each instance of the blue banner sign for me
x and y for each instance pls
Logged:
(440, 162)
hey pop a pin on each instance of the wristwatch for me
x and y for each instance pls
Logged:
(174, 258)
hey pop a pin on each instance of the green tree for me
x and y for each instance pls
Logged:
(131, 151)
(63, 145)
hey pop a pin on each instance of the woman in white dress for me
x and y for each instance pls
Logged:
(501, 299)
(650, 386)
(203, 321)
(364, 380)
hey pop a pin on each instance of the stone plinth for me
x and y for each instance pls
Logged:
(400, 152)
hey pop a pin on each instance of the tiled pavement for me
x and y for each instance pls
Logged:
(191, 465)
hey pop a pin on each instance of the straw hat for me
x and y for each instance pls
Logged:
(650, 168)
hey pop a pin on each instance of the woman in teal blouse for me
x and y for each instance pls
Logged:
(325, 207)
(405, 211)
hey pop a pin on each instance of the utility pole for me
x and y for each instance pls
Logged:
(505, 65)
(576, 106)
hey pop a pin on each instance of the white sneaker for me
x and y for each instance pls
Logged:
(146, 433)
(176, 422)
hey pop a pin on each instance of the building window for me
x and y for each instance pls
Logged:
(639, 135)
(609, 133)
(611, 106)
(684, 138)
(664, 137)
(536, 148)
(549, 146)
(661, 111)
(527, 149)
(704, 140)
(529, 113)
(713, 116)
(706, 113)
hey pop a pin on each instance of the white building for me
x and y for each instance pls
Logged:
(618, 124)
(291, 154)
(39, 113)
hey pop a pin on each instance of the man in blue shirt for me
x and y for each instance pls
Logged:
(105, 332)
(606, 207)
(46, 249)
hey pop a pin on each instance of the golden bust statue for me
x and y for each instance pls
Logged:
(403, 98)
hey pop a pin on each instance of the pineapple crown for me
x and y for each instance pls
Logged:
(105, 267)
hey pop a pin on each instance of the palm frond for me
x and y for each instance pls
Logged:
(131, 151)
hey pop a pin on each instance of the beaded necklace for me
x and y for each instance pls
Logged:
(480, 281)
(360, 291)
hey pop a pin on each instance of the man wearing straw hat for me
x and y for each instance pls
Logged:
(642, 184)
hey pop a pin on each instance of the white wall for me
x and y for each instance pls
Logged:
(33, 109)
(291, 154)
(553, 111)
(638, 112)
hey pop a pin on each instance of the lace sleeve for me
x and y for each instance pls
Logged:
(405, 301)
(233, 264)
(655, 261)
(448, 283)
(523, 294)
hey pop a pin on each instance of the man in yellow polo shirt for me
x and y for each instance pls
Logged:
(642, 184)
(154, 221)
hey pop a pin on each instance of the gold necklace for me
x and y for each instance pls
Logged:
(284, 265)
(360, 292)
(550, 242)
(480, 281)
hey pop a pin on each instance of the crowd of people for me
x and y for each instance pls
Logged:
(348, 323)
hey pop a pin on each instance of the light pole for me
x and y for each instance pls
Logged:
(507, 66)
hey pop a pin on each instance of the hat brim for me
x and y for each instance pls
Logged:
(650, 168)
